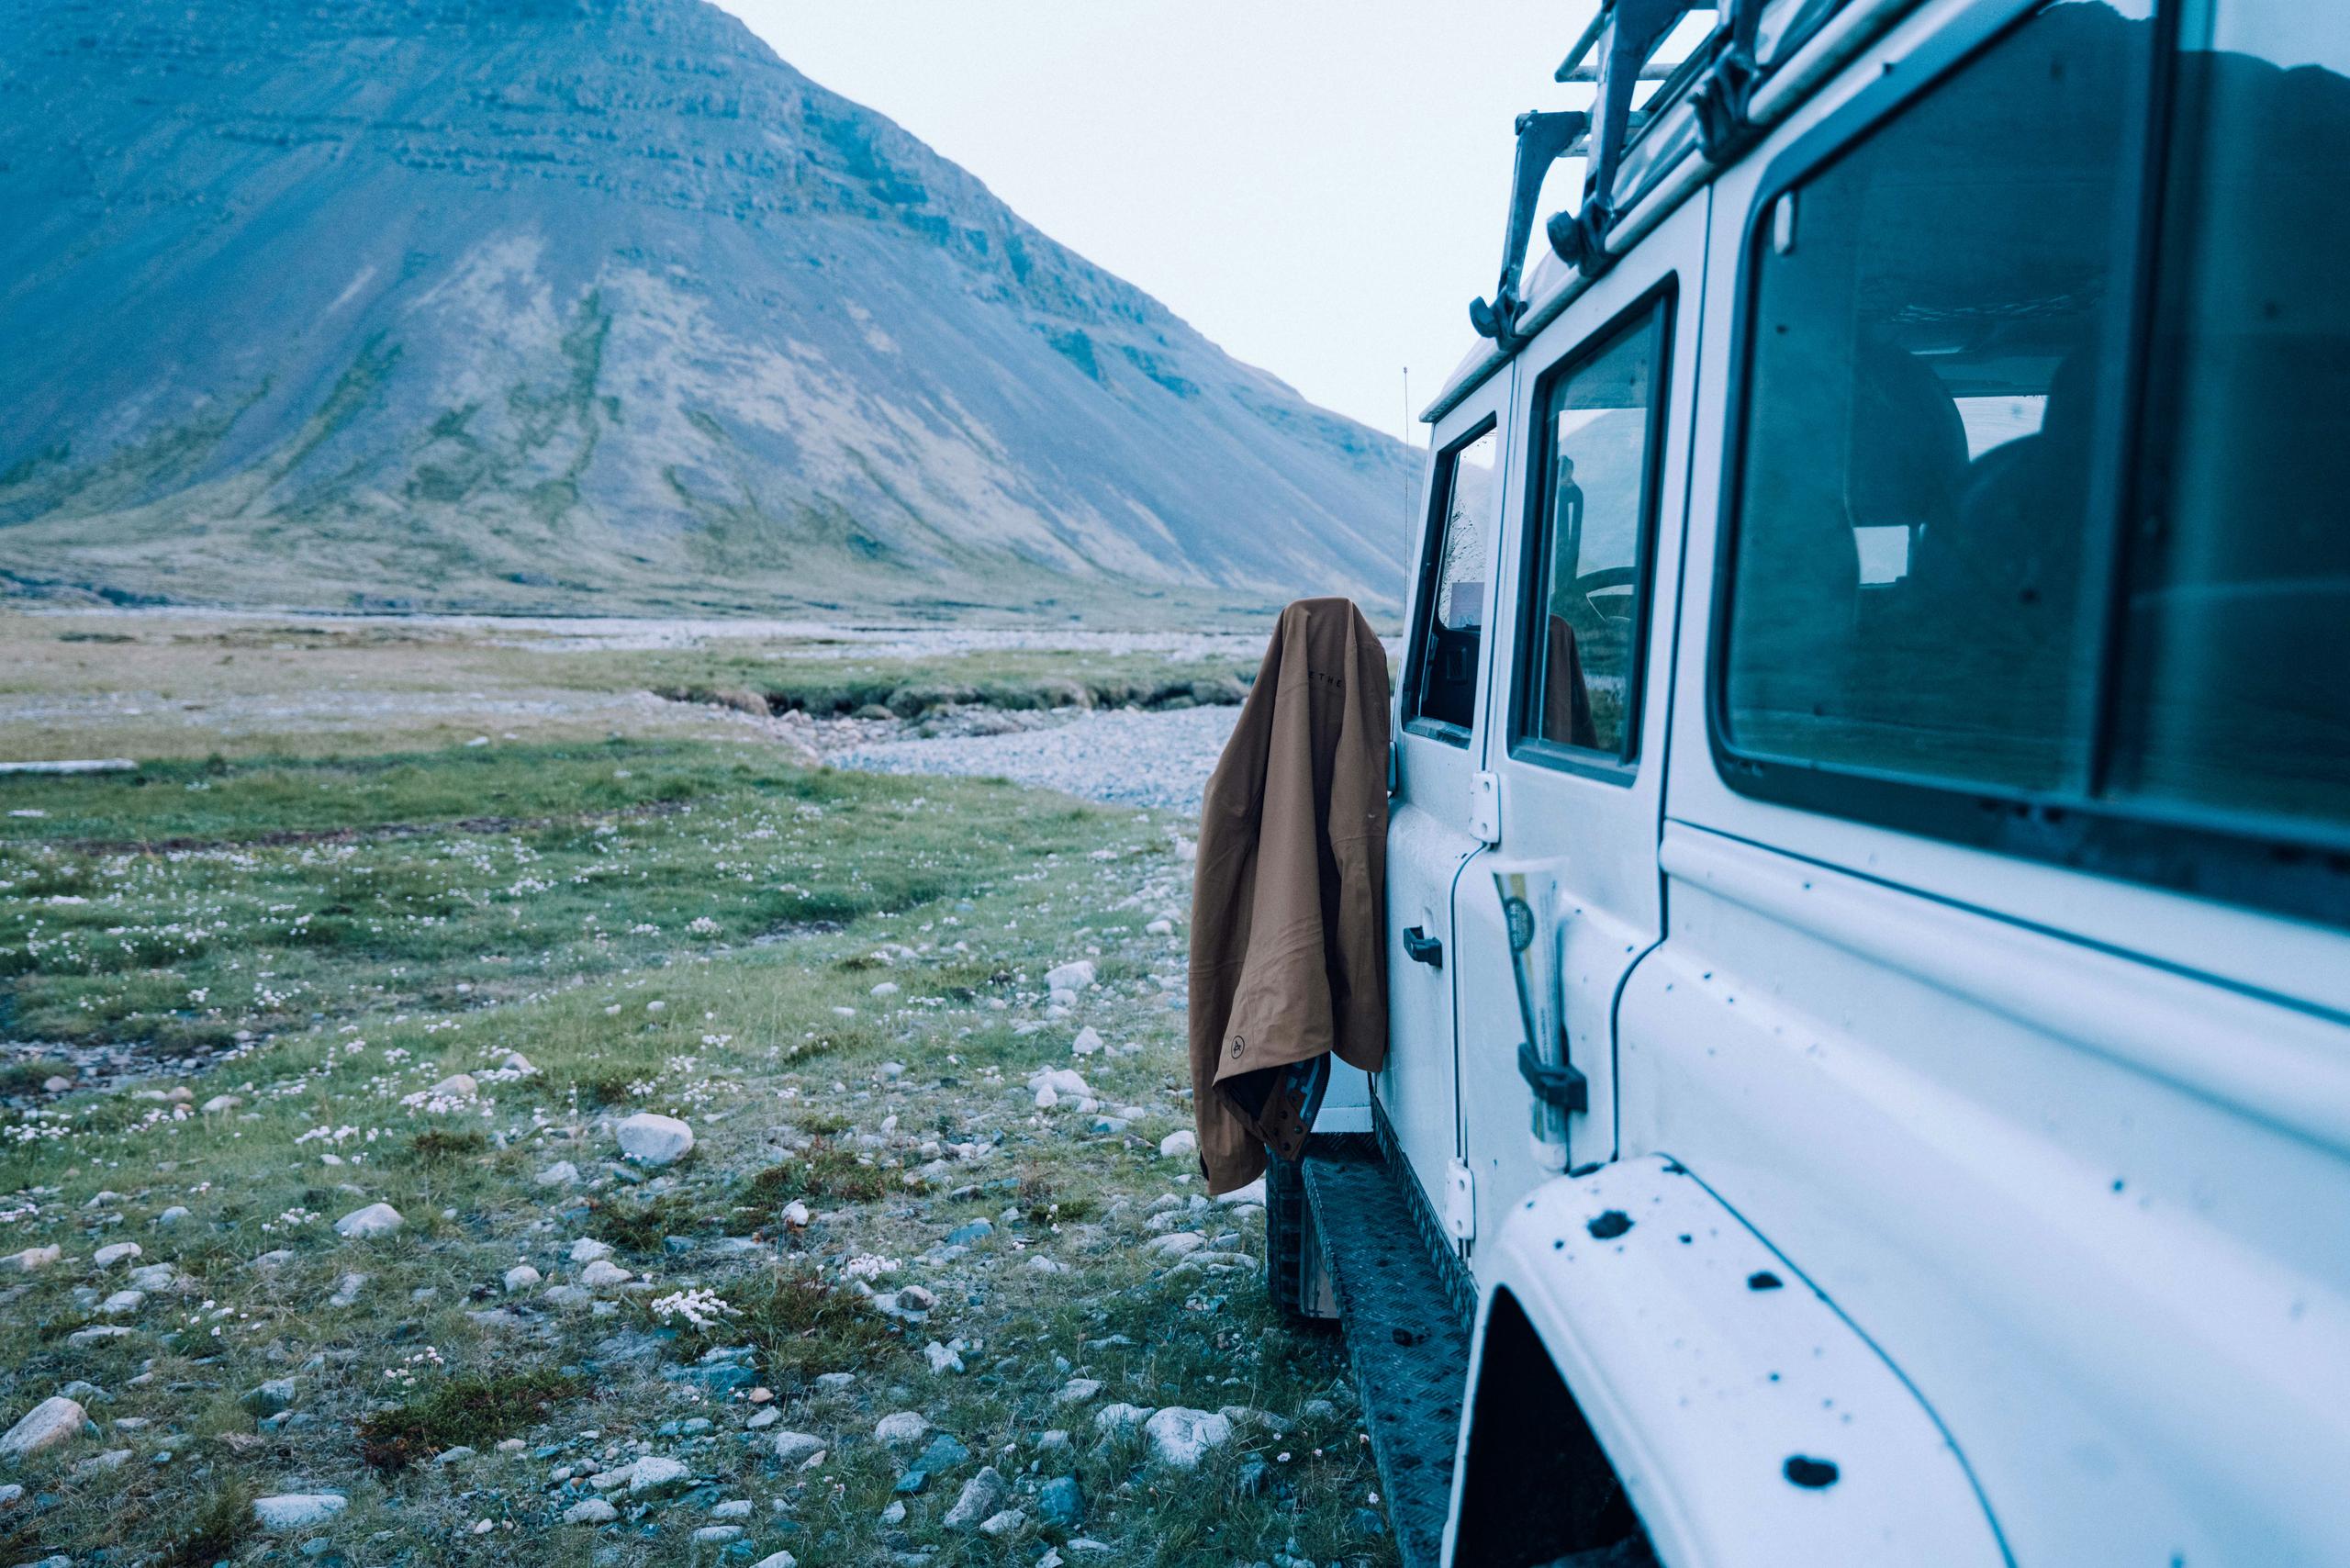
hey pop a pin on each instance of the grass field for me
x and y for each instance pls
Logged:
(397, 968)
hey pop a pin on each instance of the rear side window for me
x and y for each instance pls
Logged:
(2040, 536)
(1452, 593)
(2237, 599)
(1591, 534)
(1936, 324)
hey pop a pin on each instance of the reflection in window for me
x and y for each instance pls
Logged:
(1446, 688)
(2238, 601)
(1935, 317)
(1597, 418)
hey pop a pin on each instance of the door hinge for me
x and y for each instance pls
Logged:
(1459, 1201)
(1485, 807)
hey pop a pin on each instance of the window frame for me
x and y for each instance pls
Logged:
(1524, 743)
(1440, 516)
(2292, 866)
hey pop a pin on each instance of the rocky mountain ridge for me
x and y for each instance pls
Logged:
(569, 304)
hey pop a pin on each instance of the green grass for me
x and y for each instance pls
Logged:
(188, 902)
(895, 1119)
(471, 1412)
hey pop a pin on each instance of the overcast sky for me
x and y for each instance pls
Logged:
(1318, 185)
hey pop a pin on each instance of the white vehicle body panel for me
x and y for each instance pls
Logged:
(1703, 1388)
(2065, 1158)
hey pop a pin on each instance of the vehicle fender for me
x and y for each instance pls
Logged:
(1750, 1422)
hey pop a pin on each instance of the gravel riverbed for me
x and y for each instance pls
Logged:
(1123, 757)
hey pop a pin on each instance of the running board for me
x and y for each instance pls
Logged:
(1405, 1334)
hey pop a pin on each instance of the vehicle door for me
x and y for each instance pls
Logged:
(1437, 733)
(1591, 554)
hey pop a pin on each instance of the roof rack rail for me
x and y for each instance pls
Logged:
(1626, 35)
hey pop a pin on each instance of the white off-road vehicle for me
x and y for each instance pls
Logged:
(1869, 881)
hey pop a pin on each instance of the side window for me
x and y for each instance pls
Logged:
(2237, 598)
(1443, 686)
(1936, 326)
(1590, 540)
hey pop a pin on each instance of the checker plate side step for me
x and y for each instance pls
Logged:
(1404, 1335)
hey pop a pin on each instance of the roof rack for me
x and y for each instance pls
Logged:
(1617, 53)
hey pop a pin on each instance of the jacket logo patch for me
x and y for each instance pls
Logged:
(1239, 1044)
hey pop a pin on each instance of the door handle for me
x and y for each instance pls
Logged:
(1422, 948)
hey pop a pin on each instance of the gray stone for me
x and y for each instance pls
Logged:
(945, 1452)
(298, 1510)
(900, 1427)
(114, 1252)
(983, 1495)
(30, 1259)
(656, 1473)
(791, 1447)
(779, 1560)
(1117, 1420)
(520, 1277)
(376, 1219)
(1007, 1522)
(54, 1421)
(649, 1139)
(1078, 1390)
(965, 1235)
(269, 1398)
(717, 1535)
(590, 1511)
(1076, 975)
(1181, 1437)
(1060, 1504)
(562, 1173)
(1174, 1146)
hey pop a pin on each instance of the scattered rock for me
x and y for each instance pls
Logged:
(97, 1334)
(171, 1215)
(220, 1103)
(562, 1173)
(790, 1448)
(717, 1535)
(1078, 1390)
(1060, 1504)
(346, 1290)
(122, 1303)
(1117, 1420)
(590, 1511)
(975, 1231)
(1074, 975)
(782, 1559)
(1174, 1146)
(587, 1250)
(298, 1510)
(999, 1524)
(456, 1086)
(270, 1398)
(656, 1473)
(983, 1495)
(943, 1358)
(602, 1275)
(376, 1219)
(117, 1252)
(945, 1452)
(900, 1427)
(30, 1259)
(521, 1277)
(652, 1139)
(1088, 1041)
(54, 1421)
(1181, 1437)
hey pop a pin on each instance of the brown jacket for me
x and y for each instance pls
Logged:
(1288, 942)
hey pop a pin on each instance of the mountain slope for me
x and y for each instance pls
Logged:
(569, 304)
